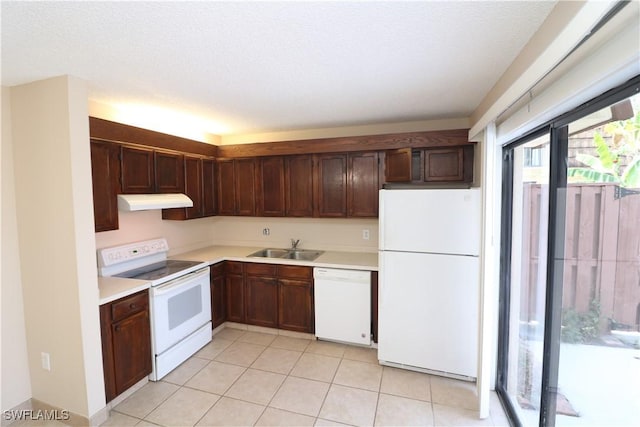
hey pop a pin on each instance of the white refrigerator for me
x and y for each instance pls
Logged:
(429, 280)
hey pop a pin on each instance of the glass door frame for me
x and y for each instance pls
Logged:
(557, 130)
(505, 267)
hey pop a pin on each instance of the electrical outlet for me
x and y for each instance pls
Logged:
(365, 234)
(46, 361)
(266, 231)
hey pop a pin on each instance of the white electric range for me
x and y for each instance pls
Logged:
(180, 298)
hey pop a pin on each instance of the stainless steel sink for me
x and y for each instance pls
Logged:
(305, 255)
(270, 253)
(297, 254)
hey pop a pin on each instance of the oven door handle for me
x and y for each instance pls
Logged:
(169, 286)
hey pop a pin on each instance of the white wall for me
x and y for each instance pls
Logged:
(183, 236)
(374, 129)
(608, 59)
(567, 24)
(314, 233)
(148, 117)
(15, 377)
(56, 242)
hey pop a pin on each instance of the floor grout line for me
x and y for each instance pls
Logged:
(287, 375)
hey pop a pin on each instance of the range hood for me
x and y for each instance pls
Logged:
(142, 202)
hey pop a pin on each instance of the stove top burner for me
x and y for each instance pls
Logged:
(157, 270)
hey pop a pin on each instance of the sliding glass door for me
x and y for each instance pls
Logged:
(529, 175)
(599, 360)
(569, 347)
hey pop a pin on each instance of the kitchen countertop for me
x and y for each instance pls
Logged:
(113, 288)
(329, 259)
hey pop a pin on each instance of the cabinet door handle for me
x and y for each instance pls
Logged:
(132, 305)
(117, 328)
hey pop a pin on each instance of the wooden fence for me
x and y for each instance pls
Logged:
(601, 250)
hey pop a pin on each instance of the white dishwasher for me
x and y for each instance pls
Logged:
(342, 300)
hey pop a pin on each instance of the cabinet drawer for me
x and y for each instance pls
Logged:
(217, 269)
(295, 272)
(257, 269)
(233, 267)
(129, 305)
(295, 282)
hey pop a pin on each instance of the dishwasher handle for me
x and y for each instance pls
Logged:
(339, 275)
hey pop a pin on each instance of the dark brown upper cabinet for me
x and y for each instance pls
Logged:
(448, 164)
(298, 172)
(398, 165)
(245, 183)
(199, 187)
(105, 174)
(363, 184)
(236, 187)
(443, 165)
(270, 185)
(327, 177)
(138, 175)
(193, 185)
(431, 165)
(169, 171)
(226, 187)
(208, 187)
(330, 185)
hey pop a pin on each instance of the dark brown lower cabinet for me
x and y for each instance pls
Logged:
(262, 301)
(218, 295)
(234, 289)
(261, 290)
(295, 311)
(126, 342)
(295, 298)
(270, 295)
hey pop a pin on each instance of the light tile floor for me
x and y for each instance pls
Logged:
(245, 378)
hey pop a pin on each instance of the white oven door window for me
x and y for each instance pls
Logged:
(179, 308)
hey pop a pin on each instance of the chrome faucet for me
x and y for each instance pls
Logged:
(294, 244)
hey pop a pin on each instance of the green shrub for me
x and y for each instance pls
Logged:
(579, 328)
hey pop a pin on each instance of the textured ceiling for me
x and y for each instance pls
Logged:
(242, 67)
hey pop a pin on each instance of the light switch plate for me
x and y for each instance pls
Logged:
(46, 361)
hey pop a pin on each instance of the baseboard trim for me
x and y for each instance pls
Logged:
(264, 330)
(73, 419)
(100, 417)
